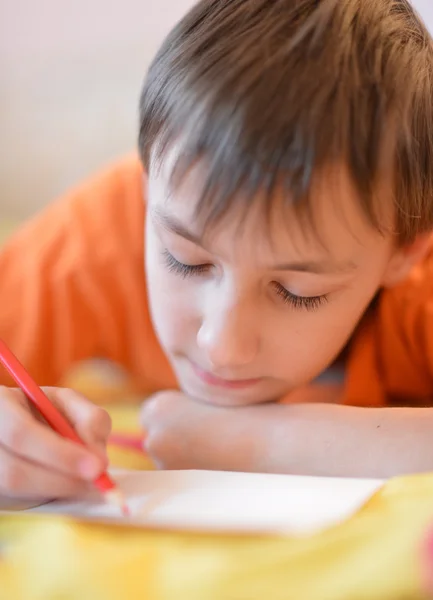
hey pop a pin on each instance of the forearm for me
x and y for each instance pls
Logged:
(303, 439)
(322, 439)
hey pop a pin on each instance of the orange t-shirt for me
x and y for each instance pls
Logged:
(72, 287)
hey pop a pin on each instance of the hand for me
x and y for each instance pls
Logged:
(36, 464)
(182, 433)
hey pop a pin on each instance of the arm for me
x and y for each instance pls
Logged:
(332, 440)
(307, 439)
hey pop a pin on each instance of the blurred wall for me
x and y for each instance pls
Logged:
(70, 75)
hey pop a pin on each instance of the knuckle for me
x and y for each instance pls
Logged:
(48, 390)
(158, 403)
(162, 448)
(156, 406)
(153, 444)
(100, 421)
(13, 478)
(55, 395)
(100, 416)
(10, 397)
(157, 412)
(156, 444)
(65, 396)
(69, 395)
(14, 433)
(6, 391)
(148, 410)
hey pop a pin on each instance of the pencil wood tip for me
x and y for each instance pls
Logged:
(116, 498)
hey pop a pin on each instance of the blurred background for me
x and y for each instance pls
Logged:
(70, 75)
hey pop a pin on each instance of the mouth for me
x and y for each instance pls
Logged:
(232, 384)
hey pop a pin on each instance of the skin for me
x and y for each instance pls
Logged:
(263, 312)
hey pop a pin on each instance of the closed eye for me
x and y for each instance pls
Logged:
(182, 269)
(310, 303)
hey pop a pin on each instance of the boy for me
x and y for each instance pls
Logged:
(288, 149)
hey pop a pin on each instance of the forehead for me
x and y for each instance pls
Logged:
(331, 220)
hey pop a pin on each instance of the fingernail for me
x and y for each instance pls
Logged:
(90, 468)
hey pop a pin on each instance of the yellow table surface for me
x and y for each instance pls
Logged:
(378, 553)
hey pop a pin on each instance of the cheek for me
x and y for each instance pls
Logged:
(312, 341)
(310, 344)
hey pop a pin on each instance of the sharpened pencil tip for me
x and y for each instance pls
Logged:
(116, 498)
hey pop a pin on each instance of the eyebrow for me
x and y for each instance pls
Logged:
(177, 227)
(317, 267)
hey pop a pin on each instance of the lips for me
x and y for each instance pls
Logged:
(214, 380)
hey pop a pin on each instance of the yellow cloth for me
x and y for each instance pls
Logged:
(376, 554)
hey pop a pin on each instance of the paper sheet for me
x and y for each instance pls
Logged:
(217, 501)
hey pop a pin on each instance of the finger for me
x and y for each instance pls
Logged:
(22, 479)
(152, 409)
(92, 423)
(31, 440)
(145, 416)
(16, 396)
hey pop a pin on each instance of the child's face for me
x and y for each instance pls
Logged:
(244, 319)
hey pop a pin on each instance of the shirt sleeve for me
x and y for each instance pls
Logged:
(391, 356)
(72, 276)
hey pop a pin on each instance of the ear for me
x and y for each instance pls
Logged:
(404, 258)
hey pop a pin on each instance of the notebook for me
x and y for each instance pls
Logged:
(225, 502)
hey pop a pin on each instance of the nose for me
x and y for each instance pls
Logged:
(229, 332)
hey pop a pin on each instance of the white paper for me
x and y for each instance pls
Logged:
(217, 501)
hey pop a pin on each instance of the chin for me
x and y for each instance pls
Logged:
(227, 398)
(264, 391)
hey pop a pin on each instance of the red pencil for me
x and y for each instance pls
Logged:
(54, 418)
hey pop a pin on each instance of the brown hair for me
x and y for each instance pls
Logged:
(268, 92)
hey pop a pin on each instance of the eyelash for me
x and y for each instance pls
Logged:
(309, 303)
(179, 268)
